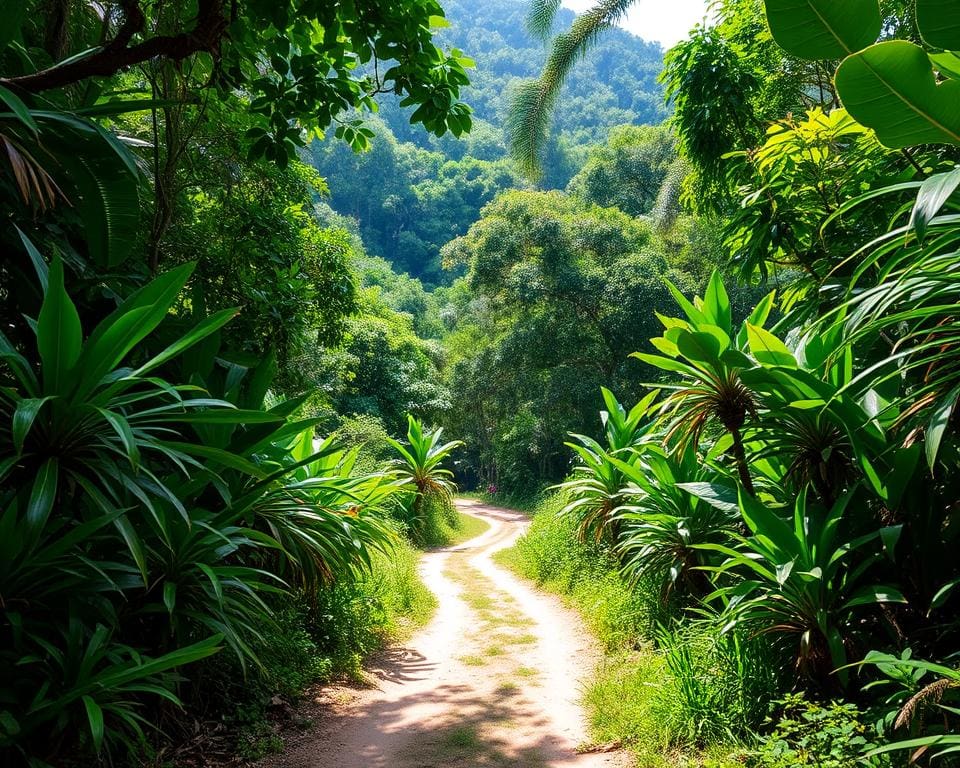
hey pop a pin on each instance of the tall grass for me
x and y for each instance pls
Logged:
(673, 696)
(551, 555)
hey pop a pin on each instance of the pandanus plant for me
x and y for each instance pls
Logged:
(674, 503)
(709, 356)
(421, 466)
(143, 522)
(796, 581)
(595, 489)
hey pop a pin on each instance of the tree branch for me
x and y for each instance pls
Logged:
(118, 54)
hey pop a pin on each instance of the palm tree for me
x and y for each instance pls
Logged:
(533, 101)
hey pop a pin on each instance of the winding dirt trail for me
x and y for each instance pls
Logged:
(493, 680)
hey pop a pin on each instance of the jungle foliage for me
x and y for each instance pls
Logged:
(172, 522)
(413, 192)
(790, 472)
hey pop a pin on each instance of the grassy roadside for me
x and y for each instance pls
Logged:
(467, 527)
(319, 638)
(633, 697)
(329, 635)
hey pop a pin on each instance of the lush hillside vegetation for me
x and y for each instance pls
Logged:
(414, 192)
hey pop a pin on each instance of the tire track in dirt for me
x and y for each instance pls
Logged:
(493, 680)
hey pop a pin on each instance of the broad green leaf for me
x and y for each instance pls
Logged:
(150, 667)
(42, 494)
(699, 347)
(934, 192)
(937, 426)
(222, 416)
(15, 104)
(694, 315)
(134, 545)
(762, 311)
(8, 723)
(768, 526)
(716, 303)
(889, 536)
(722, 336)
(102, 182)
(59, 336)
(768, 349)
(947, 64)
(722, 497)
(875, 595)
(19, 366)
(943, 594)
(939, 23)
(838, 653)
(823, 29)
(870, 473)
(664, 363)
(170, 595)
(905, 462)
(128, 325)
(39, 264)
(121, 426)
(218, 456)
(735, 359)
(196, 334)
(890, 87)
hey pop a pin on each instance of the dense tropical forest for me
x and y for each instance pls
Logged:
(281, 277)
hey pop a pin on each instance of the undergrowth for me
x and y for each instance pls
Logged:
(314, 639)
(636, 695)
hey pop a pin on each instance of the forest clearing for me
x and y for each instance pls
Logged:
(530, 383)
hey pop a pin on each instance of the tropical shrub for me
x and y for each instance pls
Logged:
(429, 498)
(594, 490)
(806, 733)
(147, 523)
(666, 526)
(799, 585)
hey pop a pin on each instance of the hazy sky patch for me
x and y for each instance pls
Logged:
(665, 21)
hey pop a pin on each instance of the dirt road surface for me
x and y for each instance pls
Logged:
(493, 679)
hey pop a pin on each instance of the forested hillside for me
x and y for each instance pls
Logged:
(413, 192)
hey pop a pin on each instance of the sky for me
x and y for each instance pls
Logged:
(665, 21)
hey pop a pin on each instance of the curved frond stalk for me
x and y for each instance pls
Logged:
(541, 17)
(531, 106)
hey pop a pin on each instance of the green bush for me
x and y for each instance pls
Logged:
(351, 618)
(813, 735)
(313, 638)
(428, 509)
(368, 434)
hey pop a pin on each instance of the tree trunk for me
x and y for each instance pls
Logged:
(740, 456)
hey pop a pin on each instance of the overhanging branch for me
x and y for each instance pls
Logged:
(117, 54)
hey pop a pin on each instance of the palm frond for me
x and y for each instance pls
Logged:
(532, 103)
(541, 17)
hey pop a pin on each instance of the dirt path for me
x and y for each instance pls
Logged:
(493, 680)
